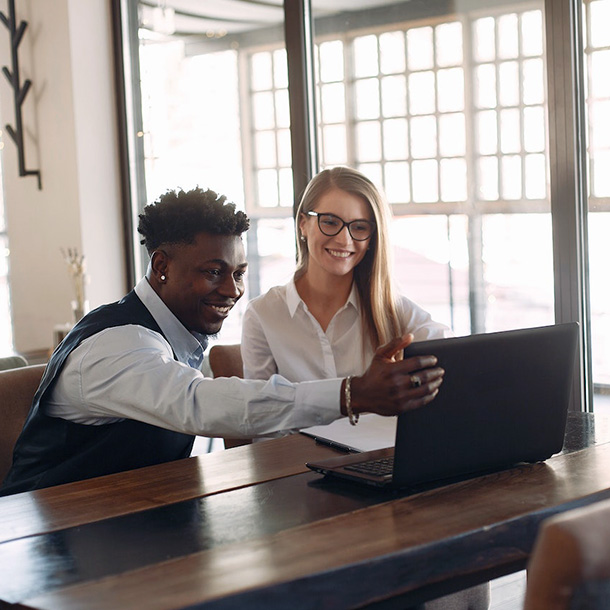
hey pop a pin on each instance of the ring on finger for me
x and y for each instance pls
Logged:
(415, 381)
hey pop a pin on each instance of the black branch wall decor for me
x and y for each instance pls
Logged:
(19, 92)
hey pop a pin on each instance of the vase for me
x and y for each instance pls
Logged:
(79, 310)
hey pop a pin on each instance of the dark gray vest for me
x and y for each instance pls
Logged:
(51, 450)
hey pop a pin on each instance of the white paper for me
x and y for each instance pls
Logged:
(372, 432)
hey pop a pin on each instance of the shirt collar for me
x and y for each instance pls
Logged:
(188, 347)
(293, 300)
(292, 297)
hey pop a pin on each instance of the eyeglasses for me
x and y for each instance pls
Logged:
(330, 225)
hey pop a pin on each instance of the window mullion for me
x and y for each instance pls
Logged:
(567, 162)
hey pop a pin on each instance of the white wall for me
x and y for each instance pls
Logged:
(69, 115)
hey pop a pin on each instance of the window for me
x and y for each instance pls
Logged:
(446, 111)
(6, 328)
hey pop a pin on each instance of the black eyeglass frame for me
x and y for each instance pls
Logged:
(371, 223)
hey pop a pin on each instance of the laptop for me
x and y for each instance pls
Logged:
(504, 400)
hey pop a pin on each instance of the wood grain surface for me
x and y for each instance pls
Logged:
(302, 542)
(56, 508)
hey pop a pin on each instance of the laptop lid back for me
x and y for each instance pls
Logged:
(504, 400)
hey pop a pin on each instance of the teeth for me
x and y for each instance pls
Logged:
(220, 309)
(338, 253)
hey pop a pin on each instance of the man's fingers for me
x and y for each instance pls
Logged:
(415, 363)
(391, 348)
(411, 397)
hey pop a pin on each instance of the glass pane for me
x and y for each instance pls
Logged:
(487, 132)
(600, 18)
(508, 38)
(268, 194)
(396, 180)
(454, 186)
(282, 108)
(484, 47)
(601, 175)
(452, 135)
(421, 93)
(368, 141)
(533, 129)
(395, 139)
(423, 137)
(517, 251)
(431, 255)
(450, 90)
(425, 181)
(420, 48)
(532, 33)
(372, 171)
(392, 49)
(280, 73)
(449, 49)
(284, 154)
(331, 61)
(533, 81)
(508, 75)
(276, 249)
(286, 187)
(510, 131)
(333, 103)
(485, 87)
(488, 178)
(262, 73)
(600, 119)
(366, 61)
(367, 98)
(265, 149)
(263, 108)
(535, 177)
(334, 145)
(394, 96)
(511, 177)
(600, 68)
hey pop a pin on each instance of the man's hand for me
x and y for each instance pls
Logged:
(390, 387)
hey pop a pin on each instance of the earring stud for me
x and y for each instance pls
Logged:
(162, 278)
(303, 238)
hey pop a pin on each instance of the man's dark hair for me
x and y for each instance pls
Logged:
(177, 217)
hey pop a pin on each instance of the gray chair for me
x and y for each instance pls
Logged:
(12, 362)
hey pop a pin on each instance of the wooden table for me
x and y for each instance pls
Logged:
(252, 528)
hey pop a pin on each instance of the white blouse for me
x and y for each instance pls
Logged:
(279, 335)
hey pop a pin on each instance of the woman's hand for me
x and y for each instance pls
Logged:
(390, 387)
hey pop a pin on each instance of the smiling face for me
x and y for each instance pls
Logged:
(340, 254)
(200, 282)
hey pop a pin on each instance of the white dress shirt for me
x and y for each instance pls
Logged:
(279, 335)
(130, 372)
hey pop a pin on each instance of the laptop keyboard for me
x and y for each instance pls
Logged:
(377, 468)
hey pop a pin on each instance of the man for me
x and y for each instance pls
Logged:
(124, 389)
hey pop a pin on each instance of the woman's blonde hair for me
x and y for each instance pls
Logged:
(373, 274)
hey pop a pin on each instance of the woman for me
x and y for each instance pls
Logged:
(341, 304)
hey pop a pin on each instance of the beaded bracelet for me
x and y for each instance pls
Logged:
(347, 392)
